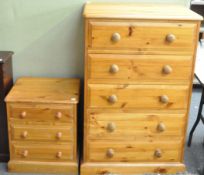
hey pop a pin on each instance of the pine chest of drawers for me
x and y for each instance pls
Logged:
(139, 62)
(42, 120)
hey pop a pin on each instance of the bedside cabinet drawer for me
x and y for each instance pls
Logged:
(41, 133)
(109, 125)
(142, 36)
(134, 151)
(43, 151)
(140, 68)
(41, 113)
(138, 96)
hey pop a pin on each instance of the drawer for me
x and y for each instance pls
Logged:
(41, 132)
(42, 151)
(41, 112)
(110, 125)
(142, 36)
(99, 151)
(137, 96)
(140, 68)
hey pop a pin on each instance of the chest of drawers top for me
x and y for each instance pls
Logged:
(45, 90)
(139, 11)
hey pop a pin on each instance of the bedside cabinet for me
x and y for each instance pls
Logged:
(139, 62)
(42, 120)
(6, 82)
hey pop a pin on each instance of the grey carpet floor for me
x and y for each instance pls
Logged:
(194, 156)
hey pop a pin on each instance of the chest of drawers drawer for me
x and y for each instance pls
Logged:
(36, 132)
(134, 151)
(138, 96)
(127, 126)
(151, 36)
(140, 68)
(43, 152)
(41, 112)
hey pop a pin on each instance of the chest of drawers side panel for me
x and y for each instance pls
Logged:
(85, 125)
(196, 35)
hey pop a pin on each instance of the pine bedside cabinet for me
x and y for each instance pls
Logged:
(139, 64)
(42, 117)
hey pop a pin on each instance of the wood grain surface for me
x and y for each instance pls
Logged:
(139, 66)
(42, 125)
(139, 11)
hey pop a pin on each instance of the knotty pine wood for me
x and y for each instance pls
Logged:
(42, 151)
(139, 68)
(134, 151)
(140, 35)
(139, 11)
(137, 96)
(136, 126)
(60, 133)
(104, 18)
(43, 116)
(43, 90)
(43, 167)
(36, 112)
(130, 168)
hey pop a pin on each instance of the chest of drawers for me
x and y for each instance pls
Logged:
(42, 120)
(139, 62)
(6, 82)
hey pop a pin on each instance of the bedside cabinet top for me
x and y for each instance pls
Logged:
(139, 11)
(4, 55)
(45, 90)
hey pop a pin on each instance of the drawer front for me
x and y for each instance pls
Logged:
(41, 133)
(142, 36)
(138, 96)
(134, 151)
(41, 113)
(135, 126)
(141, 68)
(44, 152)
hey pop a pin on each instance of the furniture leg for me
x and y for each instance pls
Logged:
(198, 118)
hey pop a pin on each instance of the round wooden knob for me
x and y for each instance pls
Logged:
(167, 69)
(158, 153)
(110, 153)
(115, 37)
(59, 155)
(164, 99)
(112, 99)
(25, 153)
(59, 135)
(24, 134)
(114, 68)
(170, 38)
(161, 127)
(58, 115)
(111, 127)
(23, 114)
